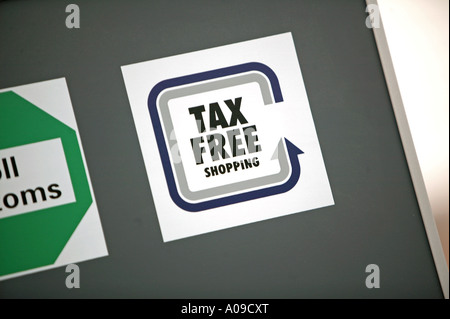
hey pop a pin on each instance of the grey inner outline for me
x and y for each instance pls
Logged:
(163, 104)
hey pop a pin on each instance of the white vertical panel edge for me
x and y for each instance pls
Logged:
(411, 156)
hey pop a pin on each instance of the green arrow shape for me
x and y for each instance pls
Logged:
(36, 239)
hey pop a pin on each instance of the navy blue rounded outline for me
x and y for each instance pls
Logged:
(163, 152)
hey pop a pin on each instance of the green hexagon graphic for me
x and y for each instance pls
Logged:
(36, 239)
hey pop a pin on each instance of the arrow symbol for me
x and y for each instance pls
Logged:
(286, 152)
(293, 152)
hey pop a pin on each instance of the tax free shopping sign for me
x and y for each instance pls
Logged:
(227, 136)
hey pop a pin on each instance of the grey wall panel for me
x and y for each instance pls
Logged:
(320, 253)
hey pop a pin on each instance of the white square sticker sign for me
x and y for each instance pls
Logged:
(48, 213)
(227, 136)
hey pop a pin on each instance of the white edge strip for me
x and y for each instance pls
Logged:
(411, 156)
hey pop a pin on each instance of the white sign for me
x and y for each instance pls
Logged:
(33, 177)
(48, 213)
(227, 136)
